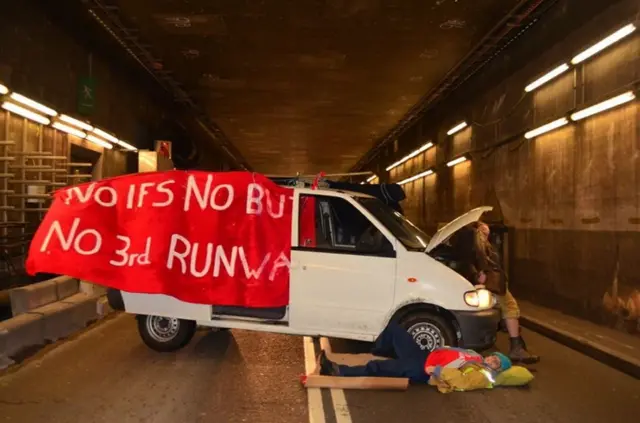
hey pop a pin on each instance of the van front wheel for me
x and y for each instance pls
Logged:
(165, 334)
(430, 331)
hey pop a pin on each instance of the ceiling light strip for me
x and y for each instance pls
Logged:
(547, 77)
(603, 44)
(459, 127)
(416, 177)
(28, 114)
(75, 122)
(584, 55)
(33, 104)
(127, 145)
(100, 142)
(69, 130)
(107, 136)
(457, 161)
(551, 126)
(63, 122)
(605, 105)
(410, 156)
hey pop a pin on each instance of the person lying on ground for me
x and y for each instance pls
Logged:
(448, 368)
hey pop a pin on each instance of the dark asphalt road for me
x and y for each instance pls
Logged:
(569, 388)
(108, 375)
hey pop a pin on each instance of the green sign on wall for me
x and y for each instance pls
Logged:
(86, 95)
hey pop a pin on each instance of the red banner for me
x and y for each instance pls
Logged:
(208, 238)
(307, 232)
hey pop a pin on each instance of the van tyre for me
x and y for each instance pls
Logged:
(165, 334)
(429, 331)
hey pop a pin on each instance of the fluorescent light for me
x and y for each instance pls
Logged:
(127, 146)
(371, 178)
(546, 128)
(414, 177)
(14, 108)
(69, 130)
(3, 89)
(411, 155)
(547, 77)
(598, 47)
(33, 104)
(105, 135)
(457, 161)
(457, 128)
(605, 105)
(98, 141)
(75, 122)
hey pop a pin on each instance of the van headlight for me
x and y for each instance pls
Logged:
(479, 298)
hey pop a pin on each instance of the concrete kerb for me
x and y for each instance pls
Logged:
(622, 362)
(103, 307)
(50, 321)
(67, 287)
(30, 297)
(21, 332)
(65, 317)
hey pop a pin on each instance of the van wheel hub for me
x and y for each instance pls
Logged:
(427, 335)
(162, 329)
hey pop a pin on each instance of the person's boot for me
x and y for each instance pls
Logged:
(327, 367)
(519, 354)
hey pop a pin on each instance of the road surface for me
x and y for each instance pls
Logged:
(107, 375)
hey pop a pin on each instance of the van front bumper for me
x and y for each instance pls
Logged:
(478, 329)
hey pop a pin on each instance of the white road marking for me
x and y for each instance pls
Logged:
(338, 398)
(314, 395)
(340, 406)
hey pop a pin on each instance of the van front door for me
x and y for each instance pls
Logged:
(343, 272)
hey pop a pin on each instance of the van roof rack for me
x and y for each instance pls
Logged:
(303, 181)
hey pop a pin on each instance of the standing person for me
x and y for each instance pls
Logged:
(448, 368)
(491, 274)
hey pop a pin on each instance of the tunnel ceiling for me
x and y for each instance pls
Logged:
(308, 85)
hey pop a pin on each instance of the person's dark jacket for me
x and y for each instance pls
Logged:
(471, 262)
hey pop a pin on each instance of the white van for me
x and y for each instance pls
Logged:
(368, 266)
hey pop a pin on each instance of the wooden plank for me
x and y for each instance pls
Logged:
(315, 380)
(373, 383)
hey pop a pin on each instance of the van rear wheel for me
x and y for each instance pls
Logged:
(165, 334)
(429, 331)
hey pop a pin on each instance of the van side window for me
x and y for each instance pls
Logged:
(333, 224)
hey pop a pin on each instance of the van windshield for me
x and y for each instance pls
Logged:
(406, 232)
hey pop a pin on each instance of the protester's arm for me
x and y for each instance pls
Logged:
(476, 275)
(450, 379)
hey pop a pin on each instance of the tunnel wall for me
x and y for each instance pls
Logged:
(47, 48)
(571, 197)
(43, 57)
(42, 60)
